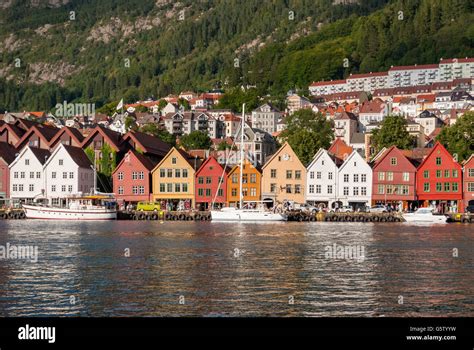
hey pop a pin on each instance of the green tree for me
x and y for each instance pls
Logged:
(306, 132)
(163, 135)
(392, 132)
(130, 124)
(459, 137)
(109, 108)
(195, 140)
(185, 103)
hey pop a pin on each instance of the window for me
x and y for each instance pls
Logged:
(169, 172)
(177, 188)
(273, 188)
(381, 176)
(389, 189)
(27, 162)
(446, 187)
(363, 178)
(297, 174)
(346, 177)
(220, 193)
(245, 191)
(253, 191)
(15, 188)
(470, 172)
(426, 174)
(162, 188)
(61, 162)
(120, 176)
(184, 187)
(162, 173)
(63, 188)
(289, 174)
(22, 175)
(141, 175)
(318, 189)
(245, 178)
(393, 161)
(234, 178)
(253, 178)
(455, 173)
(31, 188)
(311, 174)
(71, 175)
(470, 186)
(64, 175)
(355, 191)
(330, 176)
(32, 174)
(169, 188)
(446, 173)
(439, 187)
(356, 177)
(426, 187)
(53, 188)
(381, 189)
(173, 160)
(318, 175)
(201, 180)
(288, 188)
(273, 173)
(438, 160)
(390, 176)
(185, 172)
(134, 175)
(405, 190)
(438, 174)
(120, 190)
(208, 192)
(311, 188)
(234, 192)
(454, 187)
(363, 191)
(20, 188)
(15, 175)
(201, 192)
(177, 173)
(346, 191)
(297, 189)
(406, 176)
(135, 189)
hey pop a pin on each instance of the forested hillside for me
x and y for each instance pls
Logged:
(100, 51)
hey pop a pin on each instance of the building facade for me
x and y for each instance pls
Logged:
(251, 184)
(468, 181)
(266, 118)
(211, 184)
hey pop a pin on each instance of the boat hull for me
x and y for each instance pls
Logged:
(48, 213)
(435, 219)
(249, 216)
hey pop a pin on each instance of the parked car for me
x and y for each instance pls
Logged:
(378, 209)
(470, 209)
(308, 208)
(148, 206)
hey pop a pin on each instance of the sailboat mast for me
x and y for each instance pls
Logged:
(95, 173)
(242, 154)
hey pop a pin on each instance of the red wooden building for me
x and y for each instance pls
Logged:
(209, 182)
(7, 156)
(394, 180)
(439, 181)
(468, 181)
(132, 178)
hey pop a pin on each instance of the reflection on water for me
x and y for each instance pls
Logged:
(219, 269)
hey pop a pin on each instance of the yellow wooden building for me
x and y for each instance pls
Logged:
(284, 177)
(251, 182)
(173, 180)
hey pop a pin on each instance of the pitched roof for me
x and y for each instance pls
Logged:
(149, 144)
(113, 137)
(41, 154)
(79, 156)
(7, 152)
(144, 160)
(285, 145)
(339, 148)
(45, 132)
(372, 107)
(73, 132)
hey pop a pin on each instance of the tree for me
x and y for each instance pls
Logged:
(130, 124)
(195, 140)
(392, 132)
(185, 103)
(109, 108)
(307, 132)
(459, 137)
(163, 135)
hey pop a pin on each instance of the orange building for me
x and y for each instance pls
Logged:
(251, 184)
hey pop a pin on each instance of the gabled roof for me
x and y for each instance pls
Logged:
(190, 160)
(393, 149)
(435, 147)
(209, 159)
(372, 107)
(77, 154)
(144, 160)
(7, 152)
(149, 144)
(466, 161)
(339, 148)
(41, 155)
(246, 162)
(285, 146)
(349, 158)
(113, 138)
(319, 153)
(13, 128)
(44, 132)
(72, 132)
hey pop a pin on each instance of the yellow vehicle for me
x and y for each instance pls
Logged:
(148, 206)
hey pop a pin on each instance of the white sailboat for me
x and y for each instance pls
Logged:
(244, 212)
(425, 215)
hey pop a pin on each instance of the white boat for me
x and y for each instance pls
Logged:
(94, 207)
(425, 215)
(258, 214)
(252, 215)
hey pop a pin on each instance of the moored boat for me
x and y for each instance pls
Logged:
(94, 207)
(425, 215)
